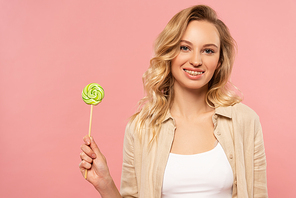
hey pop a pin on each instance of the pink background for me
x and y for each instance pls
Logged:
(50, 50)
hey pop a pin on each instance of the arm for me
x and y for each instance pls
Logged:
(260, 183)
(98, 172)
(129, 186)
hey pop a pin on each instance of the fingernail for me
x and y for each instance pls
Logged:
(93, 155)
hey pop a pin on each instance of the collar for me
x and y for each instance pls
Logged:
(168, 116)
(222, 111)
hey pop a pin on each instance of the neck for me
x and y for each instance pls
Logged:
(189, 103)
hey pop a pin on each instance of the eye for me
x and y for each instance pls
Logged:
(184, 48)
(209, 51)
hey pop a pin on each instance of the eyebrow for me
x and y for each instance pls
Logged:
(206, 45)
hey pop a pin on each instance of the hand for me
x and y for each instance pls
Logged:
(95, 163)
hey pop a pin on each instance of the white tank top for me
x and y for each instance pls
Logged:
(203, 175)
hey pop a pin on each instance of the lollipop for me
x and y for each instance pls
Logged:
(92, 95)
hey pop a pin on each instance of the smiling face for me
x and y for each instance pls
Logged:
(199, 54)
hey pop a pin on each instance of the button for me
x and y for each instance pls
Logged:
(235, 182)
(218, 133)
(215, 116)
(230, 156)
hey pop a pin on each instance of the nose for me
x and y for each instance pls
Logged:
(195, 59)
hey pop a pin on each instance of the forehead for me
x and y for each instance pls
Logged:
(201, 32)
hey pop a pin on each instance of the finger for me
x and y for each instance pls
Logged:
(83, 172)
(84, 165)
(88, 151)
(83, 156)
(82, 169)
(94, 146)
(86, 140)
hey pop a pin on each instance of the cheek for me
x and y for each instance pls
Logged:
(179, 61)
(212, 63)
(176, 65)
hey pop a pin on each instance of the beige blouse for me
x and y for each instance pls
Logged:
(239, 132)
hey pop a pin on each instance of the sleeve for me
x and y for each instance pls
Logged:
(260, 182)
(128, 187)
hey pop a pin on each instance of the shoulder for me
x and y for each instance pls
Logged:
(134, 128)
(131, 126)
(237, 112)
(243, 110)
(245, 116)
(240, 114)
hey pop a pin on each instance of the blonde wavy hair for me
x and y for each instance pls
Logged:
(158, 80)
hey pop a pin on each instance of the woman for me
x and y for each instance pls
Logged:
(192, 137)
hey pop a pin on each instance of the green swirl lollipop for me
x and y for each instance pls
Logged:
(92, 94)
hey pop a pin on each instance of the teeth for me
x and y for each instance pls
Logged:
(194, 73)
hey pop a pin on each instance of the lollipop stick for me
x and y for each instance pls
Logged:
(89, 130)
(90, 119)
